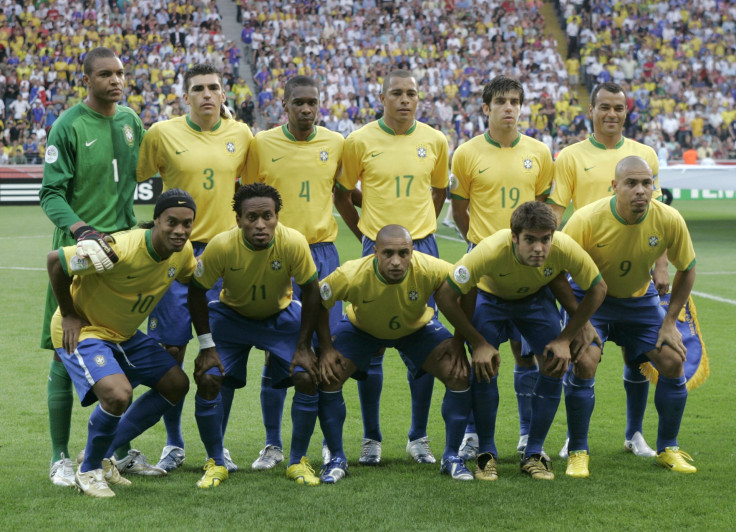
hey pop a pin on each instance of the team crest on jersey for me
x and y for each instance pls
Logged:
(461, 274)
(172, 272)
(52, 154)
(276, 265)
(230, 147)
(324, 156)
(527, 163)
(153, 323)
(413, 294)
(78, 264)
(100, 360)
(128, 134)
(325, 291)
(422, 152)
(199, 270)
(653, 241)
(547, 271)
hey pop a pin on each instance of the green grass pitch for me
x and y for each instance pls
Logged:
(623, 492)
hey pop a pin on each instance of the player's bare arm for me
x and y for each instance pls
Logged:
(460, 215)
(304, 355)
(71, 323)
(207, 357)
(682, 285)
(344, 205)
(438, 199)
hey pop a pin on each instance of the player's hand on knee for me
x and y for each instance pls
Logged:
(331, 366)
(95, 246)
(454, 351)
(485, 361)
(672, 337)
(557, 357)
(206, 360)
(305, 358)
(585, 337)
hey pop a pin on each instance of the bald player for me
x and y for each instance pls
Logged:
(624, 235)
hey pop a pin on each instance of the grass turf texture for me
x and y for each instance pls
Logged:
(623, 492)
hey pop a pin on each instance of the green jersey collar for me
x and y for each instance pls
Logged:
(250, 246)
(149, 246)
(390, 131)
(492, 142)
(292, 138)
(380, 277)
(619, 218)
(195, 127)
(603, 146)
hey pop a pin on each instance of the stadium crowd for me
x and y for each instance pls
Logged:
(676, 63)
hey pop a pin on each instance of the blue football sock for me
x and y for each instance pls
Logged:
(172, 421)
(421, 401)
(331, 420)
(579, 403)
(369, 391)
(470, 426)
(143, 414)
(228, 394)
(209, 422)
(100, 433)
(525, 378)
(485, 409)
(272, 409)
(637, 391)
(545, 400)
(304, 409)
(455, 408)
(670, 398)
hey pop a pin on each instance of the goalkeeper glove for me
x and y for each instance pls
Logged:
(94, 245)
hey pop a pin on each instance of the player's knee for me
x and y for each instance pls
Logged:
(304, 384)
(208, 386)
(586, 363)
(174, 386)
(457, 384)
(116, 400)
(669, 364)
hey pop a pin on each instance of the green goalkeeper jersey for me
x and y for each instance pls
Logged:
(90, 169)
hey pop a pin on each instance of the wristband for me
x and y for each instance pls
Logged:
(205, 341)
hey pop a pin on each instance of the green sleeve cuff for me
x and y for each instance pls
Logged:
(690, 266)
(312, 278)
(455, 196)
(454, 286)
(341, 187)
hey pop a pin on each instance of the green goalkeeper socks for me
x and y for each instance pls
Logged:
(60, 400)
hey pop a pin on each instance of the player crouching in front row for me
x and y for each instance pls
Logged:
(256, 262)
(95, 333)
(399, 278)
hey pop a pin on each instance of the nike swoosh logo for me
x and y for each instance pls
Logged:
(481, 171)
(376, 154)
(273, 160)
(88, 144)
(588, 168)
(235, 269)
(179, 152)
(504, 274)
(182, 202)
(131, 276)
(368, 301)
(601, 245)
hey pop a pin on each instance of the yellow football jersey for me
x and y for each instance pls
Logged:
(115, 302)
(583, 172)
(206, 164)
(304, 173)
(384, 310)
(397, 173)
(496, 180)
(256, 283)
(626, 253)
(494, 267)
